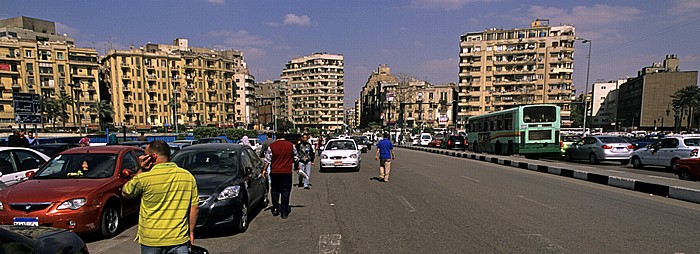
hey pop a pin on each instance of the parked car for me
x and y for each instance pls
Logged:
(51, 149)
(665, 152)
(454, 142)
(211, 140)
(362, 143)
(16, 162)
(435, 142)
(183, 141)
(40, 240)
(340, 153)
(646, 140)
(78, 190)
(687, 169)
(415, 140)
(425, 138)
(566, 141)
(600, 148)
(229, 180)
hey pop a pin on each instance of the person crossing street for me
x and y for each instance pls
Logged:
(385, 154)
(306, 159)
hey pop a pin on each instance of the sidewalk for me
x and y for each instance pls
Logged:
(660, 186)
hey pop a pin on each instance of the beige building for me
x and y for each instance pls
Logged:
(41, 62)
(504, 68)
(316, 91)
(375, 98)
(271, 103)
(207, 87)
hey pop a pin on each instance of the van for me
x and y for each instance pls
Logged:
(425, 138)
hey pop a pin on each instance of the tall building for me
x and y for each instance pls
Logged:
(603, 104)
(648, 102)
(375, 97)
(33, 59)
(316, 91)
(152, 86)
(271, 103)
(504, 68)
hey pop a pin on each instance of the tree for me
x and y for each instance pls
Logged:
(174, 105)
(104, 110)
(64, 100)
(686, 101)
(576, 114)
(50, 109)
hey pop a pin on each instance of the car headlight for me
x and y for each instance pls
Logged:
(229, 192)
(72, 204)
(324, 156)
(354, 156)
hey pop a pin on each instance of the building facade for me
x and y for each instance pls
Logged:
(647, 98)
(375, 98)
(40, 62)
(603, 104)
(316, 91)
(159, 84)
(500, 69)
(271, 103)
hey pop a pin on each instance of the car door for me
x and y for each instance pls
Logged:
(581, 149)
(648, 154)
(251, 167)
(7, 168)
(668, 147)
(25, 161)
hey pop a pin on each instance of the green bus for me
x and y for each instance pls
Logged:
(531, 130)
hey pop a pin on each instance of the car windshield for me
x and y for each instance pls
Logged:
(608, 140)
(78, 166)
(340, 145)
(208, 161)
(49, 151)
(540, 114)
(425, 137)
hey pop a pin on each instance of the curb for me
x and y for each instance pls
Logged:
(675, 192)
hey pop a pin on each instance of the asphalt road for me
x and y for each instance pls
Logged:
(440, 204)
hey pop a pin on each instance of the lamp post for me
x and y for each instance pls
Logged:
(585, 92)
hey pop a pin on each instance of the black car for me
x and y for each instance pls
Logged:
(229, 180)
(211, 141)
(454, 142)
(53, 149)
(39, 240)
(364, 142)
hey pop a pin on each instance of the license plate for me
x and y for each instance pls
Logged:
(457, 143)
(22, 221)
(338, 163)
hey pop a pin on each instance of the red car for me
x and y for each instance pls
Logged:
(687, 169)
(436, 142)
(78, 190)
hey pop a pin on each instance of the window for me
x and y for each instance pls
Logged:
(59, 55)
(130, 162)
(27, 160)
(27, 53)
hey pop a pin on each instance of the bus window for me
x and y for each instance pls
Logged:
(539, 114)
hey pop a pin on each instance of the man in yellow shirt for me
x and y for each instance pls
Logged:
(169, 202)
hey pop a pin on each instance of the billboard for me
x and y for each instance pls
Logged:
(27, 107)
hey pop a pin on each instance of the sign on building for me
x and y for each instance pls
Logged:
(27, 108)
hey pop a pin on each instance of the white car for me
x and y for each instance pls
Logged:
(425, 138)
(415, 140)
(665, 152)
(340, 154)
(15, 162)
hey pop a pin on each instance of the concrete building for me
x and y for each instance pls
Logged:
(271, 103)
(316, 91)
(33, 59)
(603, 104)
(647, 98)
(504, 68)
(152, 86)
(375, 98)
(358, 113)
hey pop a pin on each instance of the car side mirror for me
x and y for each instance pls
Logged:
(648, 146)
(29, 174)
(126, 173)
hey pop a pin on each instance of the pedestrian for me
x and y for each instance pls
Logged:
(319, 144)
(281, 156)
(84, 142)
(17, 139)
(32, 140)
(306, 159)
(169, 202)
(385, 154)
(112, 140)
(265, 145)
(245, 141)
(142, 137)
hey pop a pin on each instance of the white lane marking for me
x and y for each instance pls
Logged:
(533, 201)
(329, 244)
(551, 245)
(663, 177)
(473, 179)
(405, 203)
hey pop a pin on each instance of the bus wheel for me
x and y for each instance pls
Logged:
(497, 150)
(510, 148)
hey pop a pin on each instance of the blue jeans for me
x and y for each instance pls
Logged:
(175, 249)
(306, 167)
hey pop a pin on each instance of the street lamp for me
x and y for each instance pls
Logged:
(585, 92)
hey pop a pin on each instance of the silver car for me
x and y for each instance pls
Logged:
(600, 148)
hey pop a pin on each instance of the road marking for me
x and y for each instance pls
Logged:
(329, 244)
(405, 203)
(551, 245)
(533, 201)
(663, 177)
(473, 179)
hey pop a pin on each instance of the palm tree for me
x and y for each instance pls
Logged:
(51, 109)
(64, 100)
(103, 109)
(174, 105)
(686, 100)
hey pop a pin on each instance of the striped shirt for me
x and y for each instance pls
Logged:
(167, 192)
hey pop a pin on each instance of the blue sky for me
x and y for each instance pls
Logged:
(419, 37)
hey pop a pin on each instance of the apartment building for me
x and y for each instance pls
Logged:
(358, 113)
(603, 104)
(375, 98)
(504, 68)
(152, 86)
(33, 59)
(316, 91)
(271, 103)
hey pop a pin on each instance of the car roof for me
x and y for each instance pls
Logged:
(210, 146)
(341, 139)
(55, 145)
(99, 149)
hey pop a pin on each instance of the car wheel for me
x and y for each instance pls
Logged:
(624, 162)
(242, 218)
(673, 163)
(593, 159)
(637, 162)
(109, 221)
(684, 174)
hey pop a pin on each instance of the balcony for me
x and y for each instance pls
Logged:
(151, 77)
(152, 89)
(128, 112)
(561, 70)
(152, 102)
(191, 100)
(189, 88)
(126, 77)
(124, 65)
(82, 75)
(150, 67)
(91, 88)
(10, 71)
(128, 101)
(126, 88)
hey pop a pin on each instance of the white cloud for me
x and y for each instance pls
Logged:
(65, 29)
(449, 5)
(216, 1)
(596, 15)
(293, 19)
(682, 7)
